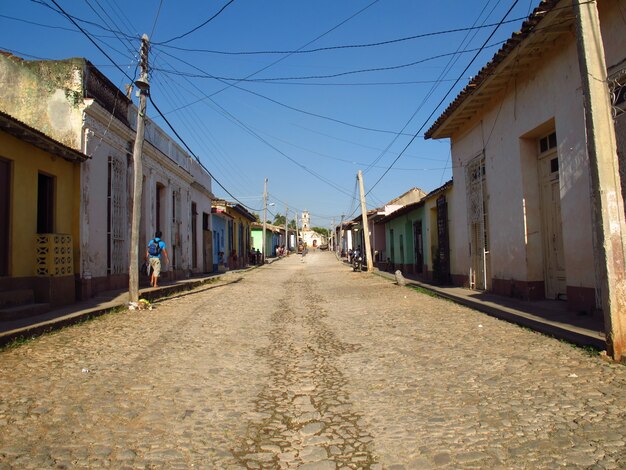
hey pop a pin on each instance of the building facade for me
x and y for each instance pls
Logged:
(39, 242)
(73, 102)
(520, 166)
(233, 238)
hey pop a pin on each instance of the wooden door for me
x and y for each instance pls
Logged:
(418, 244)
(554, 257)
(443, 241)
(476, 183)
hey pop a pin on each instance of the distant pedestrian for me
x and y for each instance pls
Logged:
(156, 248)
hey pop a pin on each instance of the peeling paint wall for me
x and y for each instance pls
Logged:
(46, 95)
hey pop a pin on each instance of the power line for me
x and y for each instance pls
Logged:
(207, 136)
(91, 40)
(128, 47)
(453, 59)
(258, 137)
(307, 44)
(351, 162)
(334, 75)
(154, 104)
(194, 155)
(199, 26)
(339, 47)
(156, 18)
(292, 108)
(62, 12)
(444, 98)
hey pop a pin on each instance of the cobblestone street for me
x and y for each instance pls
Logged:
(306, 364)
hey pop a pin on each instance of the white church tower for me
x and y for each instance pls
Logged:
(306, 221)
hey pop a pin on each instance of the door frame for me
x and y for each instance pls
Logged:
(555, 278)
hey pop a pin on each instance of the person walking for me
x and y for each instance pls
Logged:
(156, 247)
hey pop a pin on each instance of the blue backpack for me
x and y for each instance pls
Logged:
(154, 248)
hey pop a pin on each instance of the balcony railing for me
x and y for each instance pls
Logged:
(54, 254)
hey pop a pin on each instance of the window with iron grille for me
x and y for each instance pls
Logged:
(117, 222)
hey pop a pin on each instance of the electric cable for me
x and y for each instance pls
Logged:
(128, 47)
(199, 26)
(155, 107)
(204, 135)
(194, 155)
(91, 39)
(308, 43)
(339, 47)
(156, 18)
(442, 100)
(63, 13)
(258, 137)
(334, 75)
(453, 59)
(292, 108)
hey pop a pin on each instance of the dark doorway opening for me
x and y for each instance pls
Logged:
(45, 204)
(5, 193)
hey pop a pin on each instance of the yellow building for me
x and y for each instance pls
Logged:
(39, 201)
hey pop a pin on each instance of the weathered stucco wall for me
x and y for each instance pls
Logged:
(46, 95)
(507, 132)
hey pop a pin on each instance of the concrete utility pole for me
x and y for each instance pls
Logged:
(144, 88)
(366, 230)
(264, 217)
(609, 228)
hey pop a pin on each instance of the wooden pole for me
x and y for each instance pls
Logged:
(341, 236)
(609, 229)
(142, 84)
(287, 229)
(366, 231)
(264, 217)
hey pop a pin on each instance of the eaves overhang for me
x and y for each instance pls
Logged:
(539, 34)
(405, 210)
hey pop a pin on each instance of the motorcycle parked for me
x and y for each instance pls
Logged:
(357, 262)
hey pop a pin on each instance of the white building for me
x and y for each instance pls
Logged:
(73, 102)
(520, 164)
(310, 236)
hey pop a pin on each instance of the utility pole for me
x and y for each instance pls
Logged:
(144, 88)
(301, 227)
(264, 217)
(366, 230)
(609, 229)
(287, 229)
(341, 236)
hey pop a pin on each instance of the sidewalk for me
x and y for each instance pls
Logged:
(103, 303)
(549, 317)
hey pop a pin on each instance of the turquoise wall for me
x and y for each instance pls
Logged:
(403, 249)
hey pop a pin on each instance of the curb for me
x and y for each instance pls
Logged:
(510, 315)
(39, 329)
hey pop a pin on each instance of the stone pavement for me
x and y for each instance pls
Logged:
(101, 304)
(308, 365)
(548, 316)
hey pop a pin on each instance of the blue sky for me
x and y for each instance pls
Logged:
(306, 119)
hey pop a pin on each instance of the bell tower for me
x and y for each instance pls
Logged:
(306, 220)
